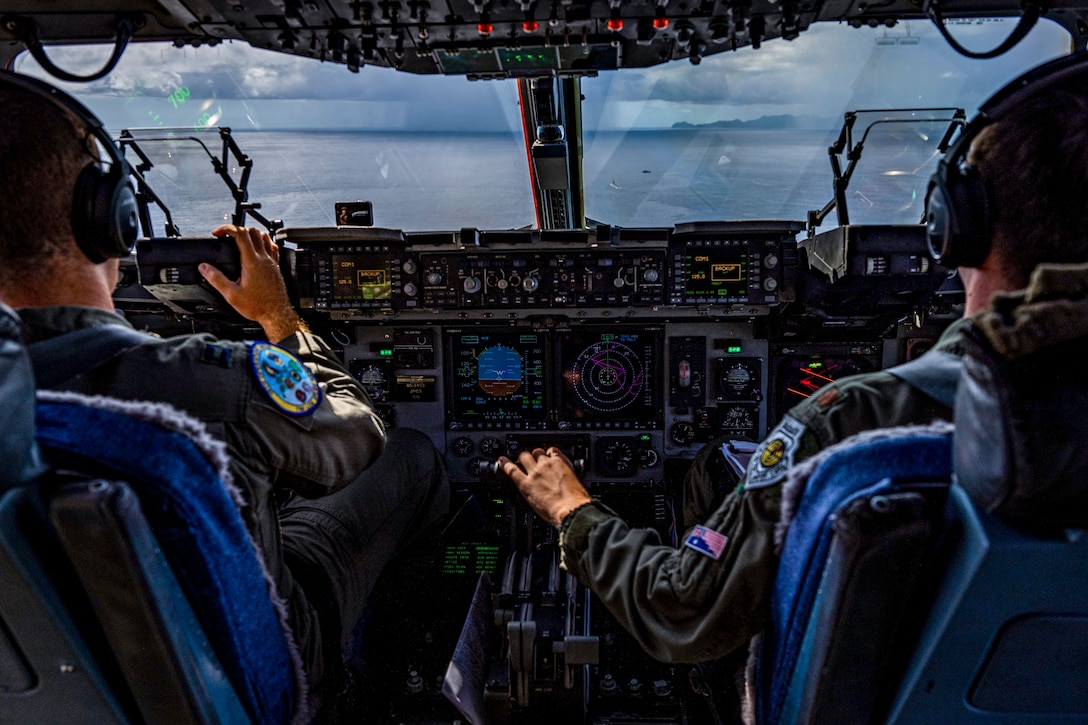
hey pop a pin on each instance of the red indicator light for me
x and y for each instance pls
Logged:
(485, 28)
(615, 24)
(530, 26)
(661, 23)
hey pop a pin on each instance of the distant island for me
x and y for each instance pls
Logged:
(769, 122)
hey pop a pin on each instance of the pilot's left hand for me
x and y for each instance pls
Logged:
(548, 482)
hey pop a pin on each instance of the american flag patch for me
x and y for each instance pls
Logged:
(706, 541)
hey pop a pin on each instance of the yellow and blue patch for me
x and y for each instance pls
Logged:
(290, 386)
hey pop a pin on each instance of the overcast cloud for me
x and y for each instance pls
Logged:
(829, 69)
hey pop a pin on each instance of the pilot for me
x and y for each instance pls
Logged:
(329, 497)
(1026, 281)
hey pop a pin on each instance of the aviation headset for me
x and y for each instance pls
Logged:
(104, 218)
(958, 219)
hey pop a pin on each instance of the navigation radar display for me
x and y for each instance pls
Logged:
(610, 379)
(498, 380)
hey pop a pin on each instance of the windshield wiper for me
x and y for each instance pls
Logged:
(845, 143)
(239, 190)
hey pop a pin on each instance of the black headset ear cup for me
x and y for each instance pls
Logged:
(104, 218)
(958, 224)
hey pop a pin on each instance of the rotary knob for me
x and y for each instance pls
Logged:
(433, 278)
(530, 284)
(650, 274)
(472, 284)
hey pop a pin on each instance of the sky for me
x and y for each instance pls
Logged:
(830, 68)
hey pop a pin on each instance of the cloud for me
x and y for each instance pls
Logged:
(828, 69)
(248, 83)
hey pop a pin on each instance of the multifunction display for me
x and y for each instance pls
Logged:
(719, 271)
(498, 380)
(361, 277)
(610, 379)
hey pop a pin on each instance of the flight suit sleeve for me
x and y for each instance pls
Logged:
(323, 450)
(686, 604)
(680, 604)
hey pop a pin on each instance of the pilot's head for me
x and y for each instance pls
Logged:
(1034, 164)
(1021, 198)
(64, 198)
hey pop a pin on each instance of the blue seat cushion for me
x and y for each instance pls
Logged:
(862, 466)
(199, 528)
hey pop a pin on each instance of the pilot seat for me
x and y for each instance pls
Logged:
(131, 590)
(939, 574)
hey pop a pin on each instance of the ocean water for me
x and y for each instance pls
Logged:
(448, 181)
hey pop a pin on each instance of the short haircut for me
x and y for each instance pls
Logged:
(43, 149)
(1034, 163)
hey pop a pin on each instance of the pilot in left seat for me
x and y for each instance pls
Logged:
(330, 496)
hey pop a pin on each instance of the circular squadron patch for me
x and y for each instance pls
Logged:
(284, 379)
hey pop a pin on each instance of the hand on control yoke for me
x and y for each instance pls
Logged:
(547, 480)
(259, 293)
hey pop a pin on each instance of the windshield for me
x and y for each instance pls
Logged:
(745, 135)
(742, 135)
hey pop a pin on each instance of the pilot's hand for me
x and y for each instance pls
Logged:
(547, 481)
(259, 294)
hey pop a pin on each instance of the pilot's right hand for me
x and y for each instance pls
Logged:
(548, 482)
(259, 293)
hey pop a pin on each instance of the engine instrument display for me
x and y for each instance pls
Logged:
(498, 380)
(610, 379)
(799, 376)
(361, 277)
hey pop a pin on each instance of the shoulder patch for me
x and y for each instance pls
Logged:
(775, 456)
(706, 541)
(290, 386)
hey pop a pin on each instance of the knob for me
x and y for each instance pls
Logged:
(770, 261)
(502, 284)
(409, 266)
(433, 278)
(770, 284)
(410, 289)
(650, 274)
(472, 284)
(481, 467)
(618, 282)
(530, 284)
(608, 685)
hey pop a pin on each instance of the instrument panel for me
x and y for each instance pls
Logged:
(628, 349)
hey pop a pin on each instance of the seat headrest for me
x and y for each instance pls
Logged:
(22, 461)
(1021, 444)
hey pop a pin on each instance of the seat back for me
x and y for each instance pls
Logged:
(932, 613)
(851, 564)
(136, 574)
(972, 612)
(1007, 637)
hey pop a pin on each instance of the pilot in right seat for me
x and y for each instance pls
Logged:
(1008, 207)
(329, 497)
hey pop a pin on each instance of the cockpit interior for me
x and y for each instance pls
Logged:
(622, 228)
